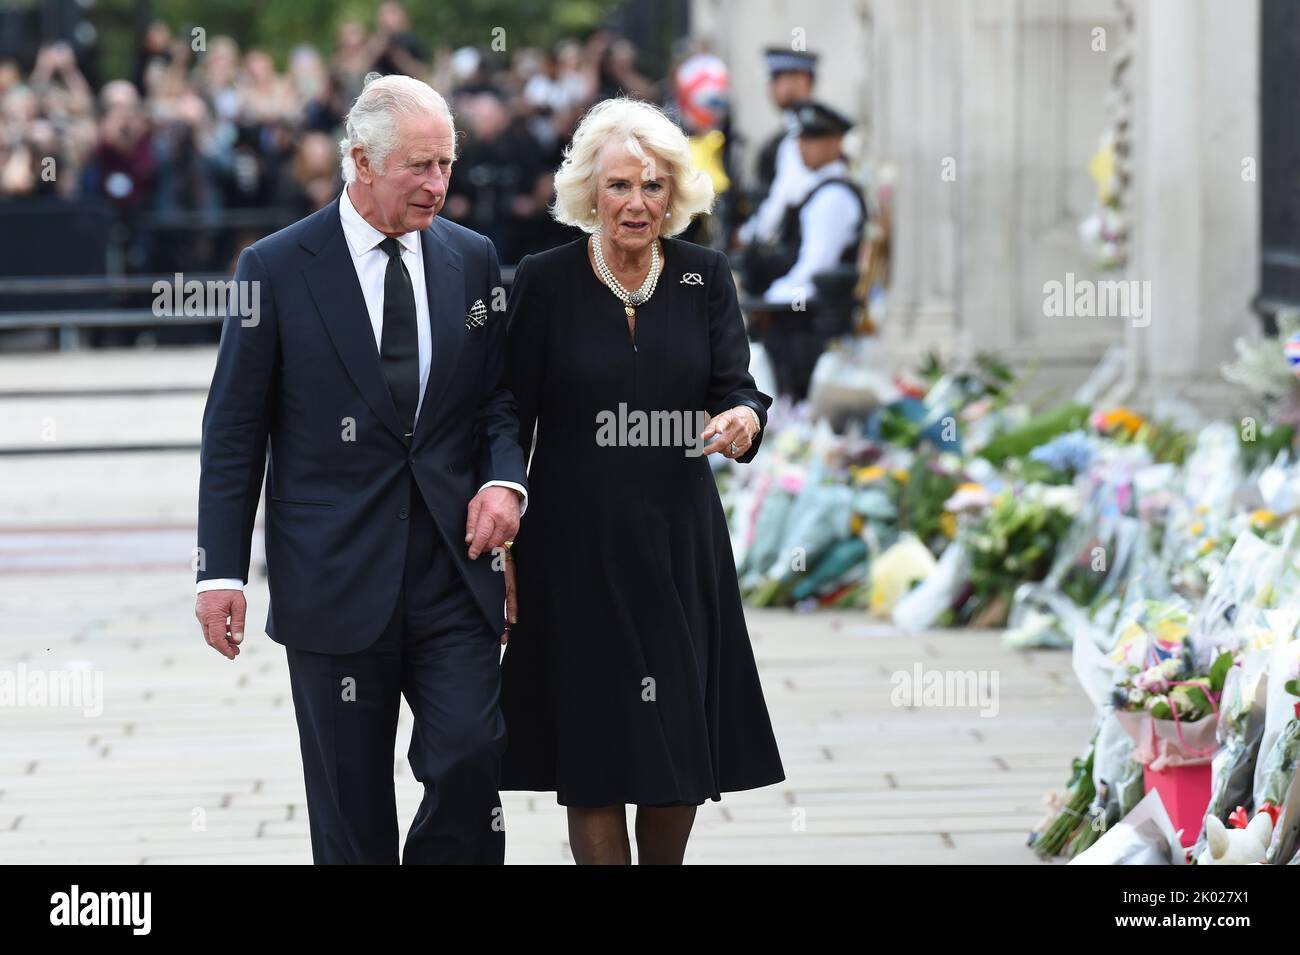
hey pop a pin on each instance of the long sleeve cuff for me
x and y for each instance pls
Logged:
(220, 583)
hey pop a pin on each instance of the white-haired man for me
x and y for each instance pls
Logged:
(372, 369)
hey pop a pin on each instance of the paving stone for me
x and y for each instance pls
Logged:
(95, 574)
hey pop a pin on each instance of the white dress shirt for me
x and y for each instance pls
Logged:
(829, 222)
(791, 180)
(371, 263)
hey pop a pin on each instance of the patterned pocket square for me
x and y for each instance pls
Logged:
(476, 317)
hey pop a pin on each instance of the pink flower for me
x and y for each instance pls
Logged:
(969, 497)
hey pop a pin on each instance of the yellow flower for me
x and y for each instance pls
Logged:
(1202, 508)
(1127, 638)
(900, 475)
(970, 486)
(948, 524)
(1197, 529)
(706, 155)
(856, 524)
(872, 472)
(1261, 519)
(1123, 418)
(1102, 169)
(1170, 630)
(1208, 545)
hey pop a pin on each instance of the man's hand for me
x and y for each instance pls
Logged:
(221, 615)
(493, 519)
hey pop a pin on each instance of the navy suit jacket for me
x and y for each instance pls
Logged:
(300, 396)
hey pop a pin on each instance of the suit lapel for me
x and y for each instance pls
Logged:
(444, 281)
(337, 294)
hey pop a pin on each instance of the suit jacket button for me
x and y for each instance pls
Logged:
(403, 512)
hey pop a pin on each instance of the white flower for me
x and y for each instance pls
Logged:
(1062, 497)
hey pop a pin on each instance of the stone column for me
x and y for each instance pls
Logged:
(916, 86)
(1196, 220)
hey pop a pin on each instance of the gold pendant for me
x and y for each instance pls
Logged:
(631, 312)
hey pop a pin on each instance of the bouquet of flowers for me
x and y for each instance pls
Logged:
(897, 570)
(929, 411)
(1263, 369)
(1241, 727)
(1067, 816)
(1118, 782)
(1012, 542)
(1169, 710)
(1280, 787)
(1165, 442)
(921, 492)
(1036, 431)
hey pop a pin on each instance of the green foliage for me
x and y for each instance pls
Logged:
(921, 498)
(278, 27)
(1167, 444)
(1014, 542)
(1219, 671)
(1079, 796)
(1270, 439)
(895, 428)
(1039, 429)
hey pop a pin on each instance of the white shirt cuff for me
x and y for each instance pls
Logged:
(220, 583)
(523, 504)
(234, 583)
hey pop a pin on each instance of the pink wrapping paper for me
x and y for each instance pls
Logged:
(1163, 744)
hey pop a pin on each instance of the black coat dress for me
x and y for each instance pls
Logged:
(630, 677)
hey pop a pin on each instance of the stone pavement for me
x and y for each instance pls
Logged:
(195, 759)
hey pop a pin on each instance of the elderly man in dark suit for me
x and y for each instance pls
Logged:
(367, 388)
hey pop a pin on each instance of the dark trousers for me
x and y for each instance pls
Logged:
(441, 654)
(793, 346)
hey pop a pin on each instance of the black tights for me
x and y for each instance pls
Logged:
(598, 836)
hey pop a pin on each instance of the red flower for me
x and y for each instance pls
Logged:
(1240, 820)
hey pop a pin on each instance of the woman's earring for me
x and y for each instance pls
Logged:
(593, 210)
(668, 215)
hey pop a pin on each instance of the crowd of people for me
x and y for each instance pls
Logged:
(199, 133)
(207, 147)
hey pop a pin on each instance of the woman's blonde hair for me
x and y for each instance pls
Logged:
(643, 129)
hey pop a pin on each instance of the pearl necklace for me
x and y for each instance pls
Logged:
(630, 300)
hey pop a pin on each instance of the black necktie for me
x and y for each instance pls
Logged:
(399, 348)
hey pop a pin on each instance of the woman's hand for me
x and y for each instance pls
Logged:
(731, 432)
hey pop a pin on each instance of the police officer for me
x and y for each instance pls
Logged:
(781, 174)
(817, 233)
(825, 225)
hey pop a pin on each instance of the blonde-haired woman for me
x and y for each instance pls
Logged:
(629, 678)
